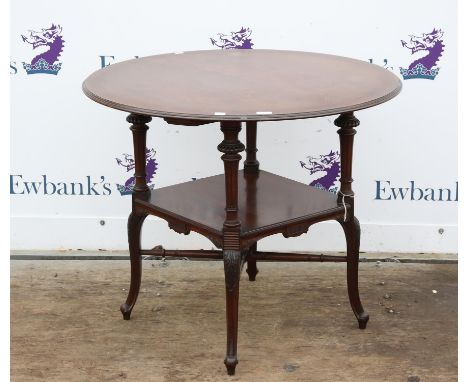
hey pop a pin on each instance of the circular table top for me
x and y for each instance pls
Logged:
(246, 85)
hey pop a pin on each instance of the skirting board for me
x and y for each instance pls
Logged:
(62, 233)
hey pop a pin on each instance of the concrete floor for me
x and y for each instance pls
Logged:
(295, 323)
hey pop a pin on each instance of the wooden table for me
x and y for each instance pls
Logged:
(236, 209)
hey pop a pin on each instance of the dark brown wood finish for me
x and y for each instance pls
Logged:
(139, 129)
(252, 269)
(251, 165)
(347, 123)
(134, 224)
(241, 84)
(238, 208)
(200, 206)
(137, 216)
(231, 147)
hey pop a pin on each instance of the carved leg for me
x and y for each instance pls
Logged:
(231, 147)
(232, 269)
(353, 234)
(347, 122)
(252, 264)
(136, 218)
(135, 221)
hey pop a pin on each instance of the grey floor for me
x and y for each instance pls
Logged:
(295, 322)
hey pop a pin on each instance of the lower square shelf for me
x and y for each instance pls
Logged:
(266, 202)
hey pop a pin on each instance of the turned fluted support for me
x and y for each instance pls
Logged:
(231, 147)
(251, 163)
(346, 123)
(139, 129)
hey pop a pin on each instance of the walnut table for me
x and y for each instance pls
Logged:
(236, 209)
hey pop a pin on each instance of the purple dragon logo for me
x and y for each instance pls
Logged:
(47, 61)
(432, 46)
(234, 40)
(129, 163)
(325, 170)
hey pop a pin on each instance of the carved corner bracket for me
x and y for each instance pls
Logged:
(296, 230)
(183, 228)
(179, 227)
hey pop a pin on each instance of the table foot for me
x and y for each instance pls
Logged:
(353, 234)
(126, 311)
(135, 221)
(362, 320)
(252, 269)
(231, 364)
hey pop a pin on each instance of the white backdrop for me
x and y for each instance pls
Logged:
(59, 137)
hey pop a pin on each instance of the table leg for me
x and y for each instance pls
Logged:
(136, 218)
(135, 221)
(347, 122)
(252, 269)
(251, 164)
(231, 147)
(353, 233)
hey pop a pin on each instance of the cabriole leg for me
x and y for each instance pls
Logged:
(353, 234)
(135, 221)
(347, 122)
(136, 218)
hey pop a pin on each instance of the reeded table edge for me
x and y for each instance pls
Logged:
(242, 118)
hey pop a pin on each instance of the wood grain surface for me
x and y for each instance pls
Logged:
(243, 85)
